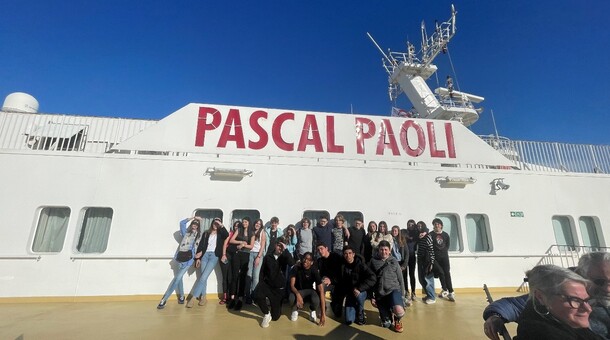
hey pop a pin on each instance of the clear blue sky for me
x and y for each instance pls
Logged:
(543, 66)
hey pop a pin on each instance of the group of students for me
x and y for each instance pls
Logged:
(265, 265)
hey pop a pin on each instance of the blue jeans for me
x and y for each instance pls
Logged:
(208, 262)
(354, 306)
(426, 281)
(177, 282)
(385, 304)
(253, 272)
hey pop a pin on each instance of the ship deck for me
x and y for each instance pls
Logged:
(141, 320)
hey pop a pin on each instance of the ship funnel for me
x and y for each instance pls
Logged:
(20, 102)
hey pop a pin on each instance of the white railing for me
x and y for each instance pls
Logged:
(49, 132)
(553, 157)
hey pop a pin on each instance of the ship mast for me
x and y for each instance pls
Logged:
(409, 70)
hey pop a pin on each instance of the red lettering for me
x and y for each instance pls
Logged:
(310, 125)
(386, 130)
(233, 121)
(450, 142)
(276, 132)
(203, 126)
(330, 136)
(361, 134)
(263, 138)
(432, 141)
(421, 139)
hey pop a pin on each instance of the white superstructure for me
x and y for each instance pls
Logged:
(90, 206)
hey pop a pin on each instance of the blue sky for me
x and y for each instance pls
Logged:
(541, 65)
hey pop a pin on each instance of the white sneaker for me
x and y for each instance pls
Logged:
(266, 320)
(429, 301)
(294, 316)
(444, 294)
(312, 316)
(451, 297)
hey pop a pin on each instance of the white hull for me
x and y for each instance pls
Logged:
(149, 194)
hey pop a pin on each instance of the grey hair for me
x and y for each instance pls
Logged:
(549, 279)
(592, 259)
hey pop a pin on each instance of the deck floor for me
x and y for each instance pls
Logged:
(141, 320)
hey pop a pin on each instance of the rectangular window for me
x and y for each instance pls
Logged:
(350, 217)
(95, 230)
(314, 216)
(239, 215)
(564, 233)
(477, 230)
(591, 233)
(451, 227)
(208, 215)
(51, 229)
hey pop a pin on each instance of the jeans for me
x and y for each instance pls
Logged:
(354, 306)
(176, 282)
(253, 272)
(385, 304)
(427, 281)
(208, 262)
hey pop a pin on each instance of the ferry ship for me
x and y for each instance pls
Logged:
(91, 205)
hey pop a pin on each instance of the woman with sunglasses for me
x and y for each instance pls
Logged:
(558, 306)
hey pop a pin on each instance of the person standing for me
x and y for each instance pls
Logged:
(412, 236)
(340, 235)
(185, 256)
(441, 242)
(425, 263)
(322, 232)
(368, 241)
(304, 238)
(272, 283)
(273, 233)
(356, 236)
(239, 265)
(257, 249)
(209, 250)
(390, 288)
(400, 252)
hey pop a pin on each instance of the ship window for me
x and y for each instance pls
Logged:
(51, 229)
(591, 233)
(451, 227)
(564, 234)
(95, 230)
(208, 215)
(239, 215)
(350, 217)
(477, 230)
(314, 216)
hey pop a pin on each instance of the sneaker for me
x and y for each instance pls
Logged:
(398, 326)
(312, 316)
(444, 294)
(266, 320)
(190, 303)
(428, 300)
(238, 305)
(407, 302)
(413, 296)
(203, 301)
(161, 304)
(451, 297)
(248, 300)
(294, 316)
(181, 300)
(386, 323)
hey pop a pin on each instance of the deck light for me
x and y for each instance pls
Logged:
(226, 174)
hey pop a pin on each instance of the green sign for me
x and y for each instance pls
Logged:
(517, 214)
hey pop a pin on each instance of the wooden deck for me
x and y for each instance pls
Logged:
(141, 320)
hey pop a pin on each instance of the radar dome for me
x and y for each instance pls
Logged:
(20, 102)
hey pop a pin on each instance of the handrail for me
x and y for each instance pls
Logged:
(120, 257)
(20, 257)
(552, 156)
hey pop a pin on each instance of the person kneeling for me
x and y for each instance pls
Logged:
(272, 282)
(302, 280)
(355, 280)
(390, 287)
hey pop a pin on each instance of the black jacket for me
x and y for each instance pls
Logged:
(356, 275)
(222, 235)
(272, 269)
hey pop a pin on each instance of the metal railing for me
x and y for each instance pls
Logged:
(50, 132)
(553, 157)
